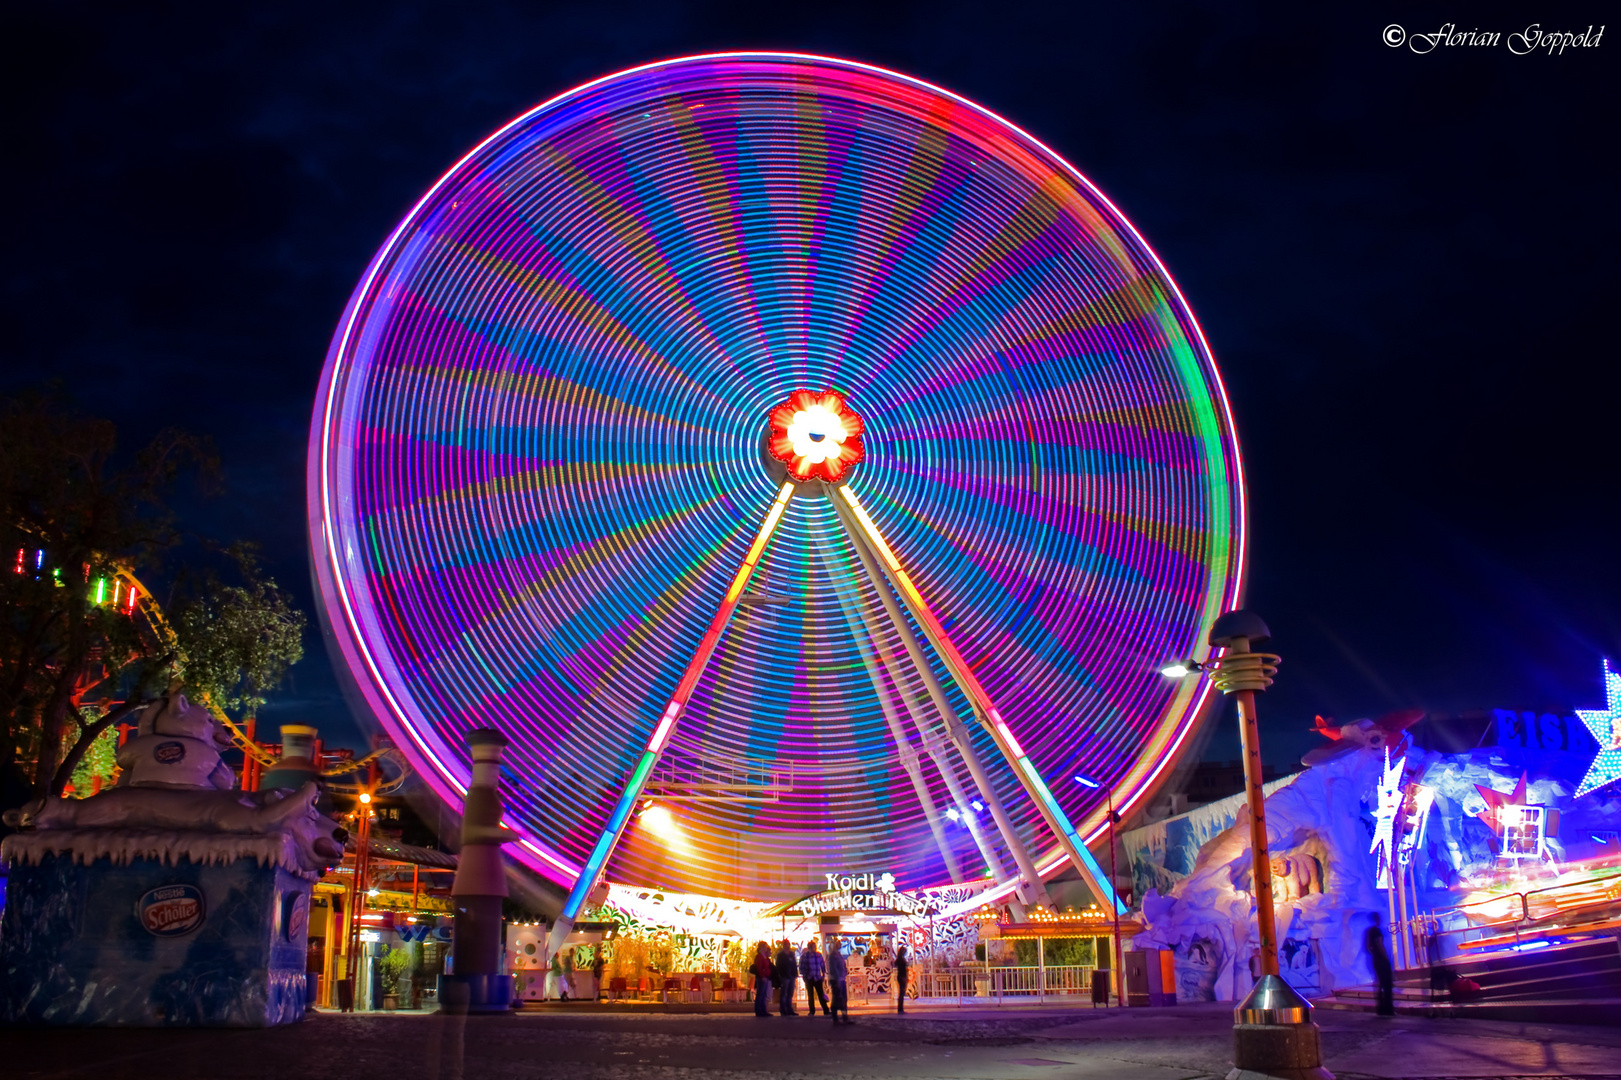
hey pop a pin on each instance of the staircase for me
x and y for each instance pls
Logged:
(1574, 983)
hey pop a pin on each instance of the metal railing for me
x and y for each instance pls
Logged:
(1526, 911)
(999, 985)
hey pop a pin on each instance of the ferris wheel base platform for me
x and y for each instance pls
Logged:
(476, 994)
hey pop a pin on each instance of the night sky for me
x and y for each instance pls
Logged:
(1405, 265)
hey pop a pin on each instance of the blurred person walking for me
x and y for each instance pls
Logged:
(903, 971)
(787, 978)
(1379, 960)
(838, 974)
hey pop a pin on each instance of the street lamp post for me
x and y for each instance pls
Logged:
(1114, 883)
(1273, 1033)
(1119, 973)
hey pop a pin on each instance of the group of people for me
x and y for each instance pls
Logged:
(563, 979)
(782, 973)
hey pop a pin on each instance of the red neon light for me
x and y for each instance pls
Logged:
(818, 436)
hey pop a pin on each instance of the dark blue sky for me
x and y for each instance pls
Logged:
(1405, 264)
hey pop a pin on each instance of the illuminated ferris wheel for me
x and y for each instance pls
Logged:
(804, 467)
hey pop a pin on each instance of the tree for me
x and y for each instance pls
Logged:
(238, 640)
(74, 661)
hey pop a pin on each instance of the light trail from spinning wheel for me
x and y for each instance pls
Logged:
(791, 443)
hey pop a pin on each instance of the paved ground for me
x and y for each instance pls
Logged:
(1183, 1043)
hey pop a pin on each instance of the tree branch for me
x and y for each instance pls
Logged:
(87, 736)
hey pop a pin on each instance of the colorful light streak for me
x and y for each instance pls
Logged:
(539, 428)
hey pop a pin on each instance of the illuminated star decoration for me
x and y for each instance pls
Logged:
(1496, 801)
(1390, 798)
(817, 436)
(1605, 724)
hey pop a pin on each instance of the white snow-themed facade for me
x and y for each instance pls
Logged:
(1330, 843)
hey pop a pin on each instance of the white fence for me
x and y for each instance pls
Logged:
(997, 985)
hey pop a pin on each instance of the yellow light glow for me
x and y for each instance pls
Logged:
(659, 822)
(783, 495)
(365, 798)
(817, 434)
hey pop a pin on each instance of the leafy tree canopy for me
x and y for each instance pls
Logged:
(76, 657)
(238, 640)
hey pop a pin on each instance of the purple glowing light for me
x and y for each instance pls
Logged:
(535, 454)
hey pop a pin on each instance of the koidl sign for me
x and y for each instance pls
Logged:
(868, 892)
(171, 910)
(863, 882)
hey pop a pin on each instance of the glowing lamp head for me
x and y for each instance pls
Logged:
(365, 798)
(661, 824)
(1180, 669)
(818, 436)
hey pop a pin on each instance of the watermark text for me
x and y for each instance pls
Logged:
(1533, 39)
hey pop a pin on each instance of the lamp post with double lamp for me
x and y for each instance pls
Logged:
(1273, 1033)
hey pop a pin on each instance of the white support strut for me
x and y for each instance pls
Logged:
(984, 709)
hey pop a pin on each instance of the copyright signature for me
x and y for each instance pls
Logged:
(1523, 43)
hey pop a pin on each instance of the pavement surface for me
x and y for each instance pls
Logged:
(1182, 1043)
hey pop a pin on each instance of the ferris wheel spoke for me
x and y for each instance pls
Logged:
(660, 738)
(873, 659)
(1032, 887)
(984, 708)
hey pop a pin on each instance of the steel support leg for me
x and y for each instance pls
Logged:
(861, 629)
(984, 708)
(939, 754)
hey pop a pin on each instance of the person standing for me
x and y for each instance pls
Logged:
(903, 967)
(813, 969)
(763, 975)
(787, 978)
(838, 974)
(1379, 958)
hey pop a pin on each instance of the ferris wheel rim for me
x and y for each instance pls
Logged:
(330, 561)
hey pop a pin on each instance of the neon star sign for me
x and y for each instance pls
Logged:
(818, 436)
(1605, 724)
(1390, 799)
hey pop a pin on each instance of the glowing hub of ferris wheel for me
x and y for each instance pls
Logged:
(818, 436)
(536, 500)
